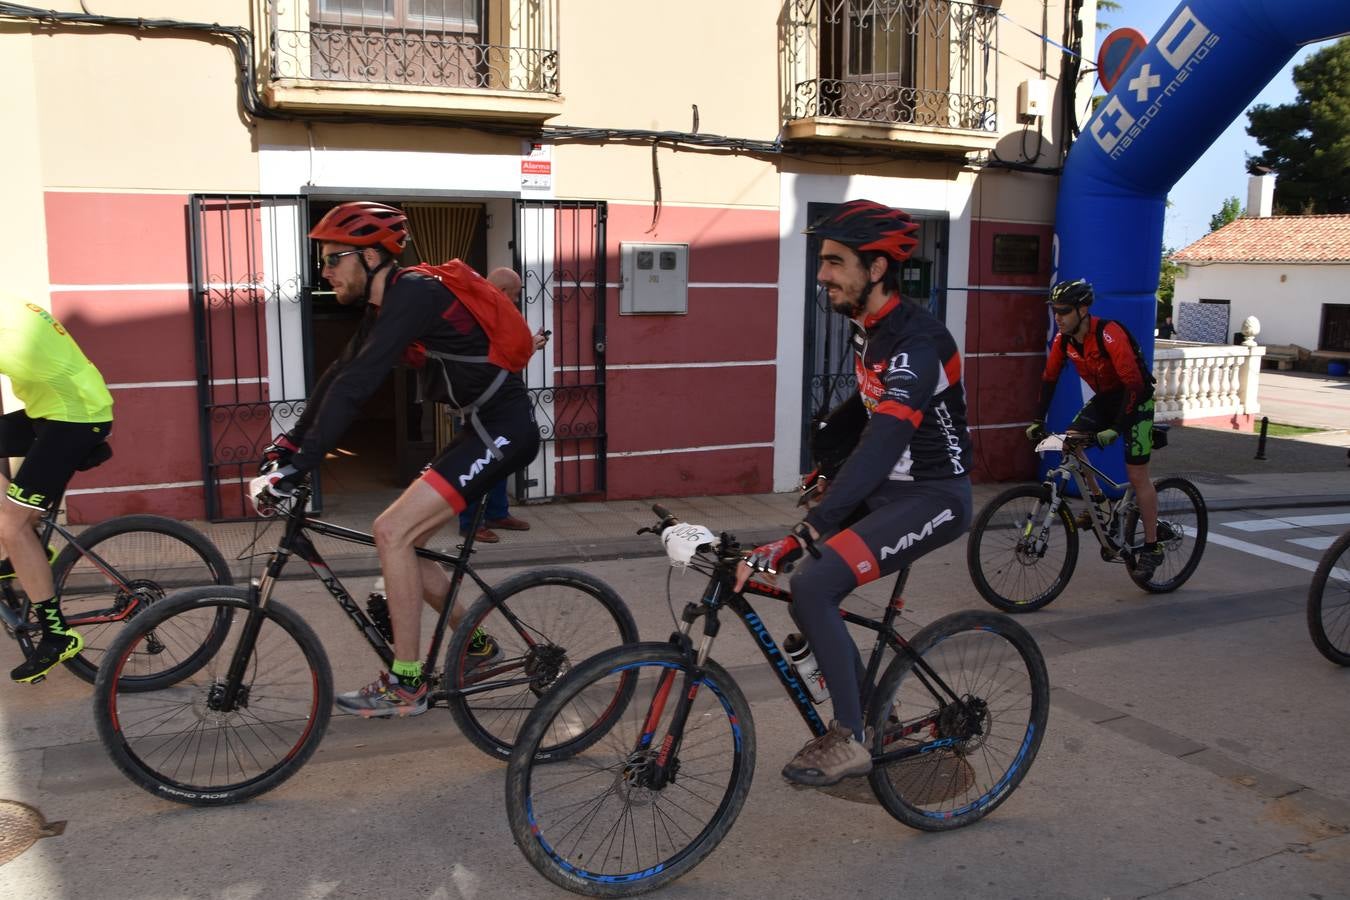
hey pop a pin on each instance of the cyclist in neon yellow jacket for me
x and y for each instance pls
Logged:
(67, 414)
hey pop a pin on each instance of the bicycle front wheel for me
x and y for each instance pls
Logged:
(543, 623)
(610, 821)
(1329, 603)
(186, 740)
(972, 713)
(120, 567)
(1183, 528)
(1021, 552)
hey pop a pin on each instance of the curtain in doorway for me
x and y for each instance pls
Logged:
(443, 231)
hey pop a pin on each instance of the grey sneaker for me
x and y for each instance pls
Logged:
(482, 650)
(1146, 562)
(830, 758)
(384, 698)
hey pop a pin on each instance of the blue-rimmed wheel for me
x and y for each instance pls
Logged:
(635, 809)
(962, 734)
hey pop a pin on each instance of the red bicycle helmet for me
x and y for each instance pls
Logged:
(866, 226)
(363, 223)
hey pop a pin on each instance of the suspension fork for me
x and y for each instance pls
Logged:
(260, 592)
(661, 772)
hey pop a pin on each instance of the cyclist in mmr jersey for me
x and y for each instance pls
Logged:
(903, 491)
(415, 317)
(67, 413)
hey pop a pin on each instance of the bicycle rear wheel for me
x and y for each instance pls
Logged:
(548, 621)
(177, 740)
(972, 754)
(148, 557)
(1329, 603)
(1020, 553)
(600, 822)
(1183, 528)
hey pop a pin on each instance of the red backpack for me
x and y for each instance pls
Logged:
(510, 343)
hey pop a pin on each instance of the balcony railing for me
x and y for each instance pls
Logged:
(484, 45)
(1201, 381)
(925, 63)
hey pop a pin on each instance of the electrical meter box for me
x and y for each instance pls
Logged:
(655, 279)
(1033, 99)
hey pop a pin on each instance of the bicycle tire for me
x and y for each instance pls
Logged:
(716, 758)
(171, 741)
(949, 787)
(568, 616)
(1182, 510)
(1329, 602)
(154, 556)
(1002, 564)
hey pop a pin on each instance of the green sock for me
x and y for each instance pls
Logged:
(48, 612)
(408, 673)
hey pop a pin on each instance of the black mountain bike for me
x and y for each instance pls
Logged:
(1023, 547)
(958, 716)
(259, 692)
(106, 575)
(1329, 602)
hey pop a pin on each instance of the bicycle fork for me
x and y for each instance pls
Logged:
(654, 769)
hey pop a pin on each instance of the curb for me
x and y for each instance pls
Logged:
(647, 546)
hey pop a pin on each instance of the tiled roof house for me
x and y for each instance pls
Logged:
(1291, 272)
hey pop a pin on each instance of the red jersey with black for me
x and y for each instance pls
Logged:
(1105, 365)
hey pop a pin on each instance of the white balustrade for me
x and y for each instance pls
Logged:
(1198, 381)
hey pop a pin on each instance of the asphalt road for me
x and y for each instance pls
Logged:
(1196, 749)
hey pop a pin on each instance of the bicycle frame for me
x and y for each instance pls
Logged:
(295, 541)
(14, 613)
(1071, 466)
(718, 595)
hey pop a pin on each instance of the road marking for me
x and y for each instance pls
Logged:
(1279, 556)
(1314, 543)
(1251, 525)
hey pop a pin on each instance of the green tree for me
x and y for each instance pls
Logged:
(1167, 281)
(1307, 142)
(1108, 6)
(1231, 210)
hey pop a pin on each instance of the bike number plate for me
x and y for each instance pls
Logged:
(684, 540)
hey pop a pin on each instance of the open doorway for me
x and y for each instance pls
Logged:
(395, 434)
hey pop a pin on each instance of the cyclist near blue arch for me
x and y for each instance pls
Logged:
(904, 488)
(67, 414)
(1106, 358)
(412, 316)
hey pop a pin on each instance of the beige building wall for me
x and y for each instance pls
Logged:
(23, 233)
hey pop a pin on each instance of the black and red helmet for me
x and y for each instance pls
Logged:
(364, 223)
(869, 227)
(1071, 293)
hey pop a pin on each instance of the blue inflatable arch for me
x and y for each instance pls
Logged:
(1195, 77)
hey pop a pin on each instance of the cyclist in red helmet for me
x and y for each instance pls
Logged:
(1108, 360)
(903, 488)
(412, 316)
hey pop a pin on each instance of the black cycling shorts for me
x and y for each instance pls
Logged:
(1135, 425)
(466, 469)
(52, 452)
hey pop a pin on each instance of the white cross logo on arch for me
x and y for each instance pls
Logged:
(1144, 82)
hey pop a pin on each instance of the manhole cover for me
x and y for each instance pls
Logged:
(20, 826)
(923, 781)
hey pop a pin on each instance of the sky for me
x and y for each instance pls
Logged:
(1222, 172)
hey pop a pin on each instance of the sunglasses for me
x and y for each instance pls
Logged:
(329, 260)
(1062, 310)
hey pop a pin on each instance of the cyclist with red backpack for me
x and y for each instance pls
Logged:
(469, 344)
(1109, 361)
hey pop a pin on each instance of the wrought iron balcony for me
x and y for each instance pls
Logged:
(891, 64)
(475, 45)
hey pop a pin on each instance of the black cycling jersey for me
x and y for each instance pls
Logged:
(418, 314)
(909, 376)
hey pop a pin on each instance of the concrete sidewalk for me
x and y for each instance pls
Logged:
(1311, 472)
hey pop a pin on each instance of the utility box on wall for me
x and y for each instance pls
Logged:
(655, 279)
